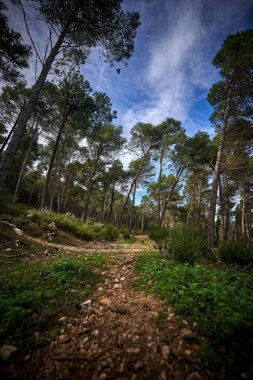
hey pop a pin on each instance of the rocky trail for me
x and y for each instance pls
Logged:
(120, 333)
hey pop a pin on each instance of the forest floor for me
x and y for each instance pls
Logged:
(122, 334)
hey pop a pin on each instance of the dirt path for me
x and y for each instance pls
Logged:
(117, 337)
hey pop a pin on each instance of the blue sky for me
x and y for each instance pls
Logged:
(171, 72)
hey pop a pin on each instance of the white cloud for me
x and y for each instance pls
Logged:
(180, 60)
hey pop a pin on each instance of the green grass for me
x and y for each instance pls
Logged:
(219, 302)
(34, 294)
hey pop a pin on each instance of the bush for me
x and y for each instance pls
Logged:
(187, 244)
(158, 234)
(126, 234)
(109, 232)
(236, 253)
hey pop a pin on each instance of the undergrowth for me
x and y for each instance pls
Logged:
(219, 302)
(34, 294)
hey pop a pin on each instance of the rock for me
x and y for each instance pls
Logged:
(117, 286)
(7, 351)
(95, 333)
(8, 249)
(188, 352)
(105, 302)
(194, 376)
(100, 289)
(118, 309)
(165, 350)
(139, 365)
(86, 305)
(122, 278)
(18, 231)
(64, 339)
(62, 319)
(52, 226)
(162, 375)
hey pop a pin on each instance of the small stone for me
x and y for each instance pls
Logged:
(121, 368)
(162, 375)
(139, 365)
(100, 289)
(105, 302)
(64, 339)
(194, 376)
(95, 333)
(116, 280)
(188, 352)
(165, 350)
(8, 250)
(86, 305)
(122, 278)
(62, 319)
(7, 351)
(18, 231)
(117, 286)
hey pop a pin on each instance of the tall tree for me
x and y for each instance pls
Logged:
(79, 26)
(231, 97)
(13, 54)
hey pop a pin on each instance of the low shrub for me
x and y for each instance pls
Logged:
(126, 234)
(109, 232)
(236, 253)
(158, 233)
(8, 207)
(187, 244)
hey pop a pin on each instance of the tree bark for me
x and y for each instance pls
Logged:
(51, 164)
(132, 185)
(216, 175)
(19, 130)
(24, 165)
(176, 179)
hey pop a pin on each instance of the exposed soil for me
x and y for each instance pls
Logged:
(125, 334)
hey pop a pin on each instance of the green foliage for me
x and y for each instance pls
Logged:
(8, 207)
(187, 244)
(34, 294)
(220, 303)
(109, 232)
(126, 234)
(13, 54)
(158, 234)
(184, 244)
(69, 223)
(236, 253)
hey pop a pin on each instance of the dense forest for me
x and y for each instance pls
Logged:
(62, 165)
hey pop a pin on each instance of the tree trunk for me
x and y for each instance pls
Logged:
(45, 190)
(132, 185)
(9, 135)
(216, 175)
(159, 187)
(175, 181)
(19, 130)
(111, 204)
(33, 137)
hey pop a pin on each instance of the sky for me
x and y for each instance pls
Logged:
(170, 72)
